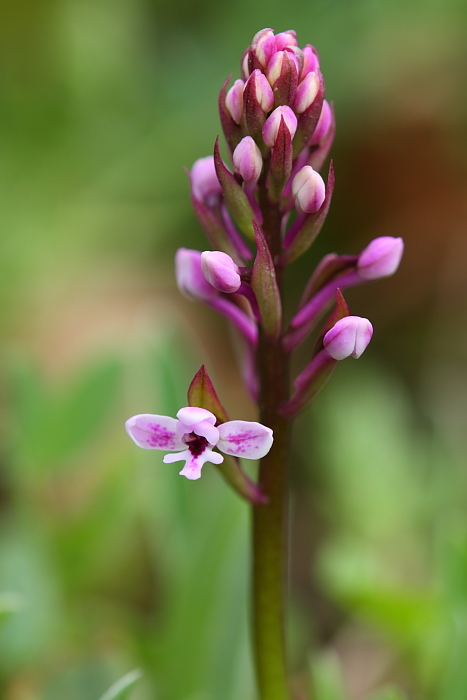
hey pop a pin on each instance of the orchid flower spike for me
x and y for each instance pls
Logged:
(349, 337)
(194, 436)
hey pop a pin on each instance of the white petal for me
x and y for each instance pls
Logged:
(245, 439)
(153, 432)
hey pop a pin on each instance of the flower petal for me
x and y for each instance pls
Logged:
(206, 430)
(153, 432)
(245, 439)
(192, 414)
(193, 465)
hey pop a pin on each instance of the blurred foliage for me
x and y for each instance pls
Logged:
(109, 561)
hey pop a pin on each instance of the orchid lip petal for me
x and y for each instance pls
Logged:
(194, 464)
(244, 439)
(153, 432)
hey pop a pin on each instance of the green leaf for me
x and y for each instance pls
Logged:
(201, 393)
(281, 162)
(120, 689)
(237, 201)
(264, 284)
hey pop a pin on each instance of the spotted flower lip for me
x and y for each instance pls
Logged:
(194, 436)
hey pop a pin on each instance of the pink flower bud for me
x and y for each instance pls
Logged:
(274, 68)
(298, 53)
(220, 271)
(284, 39)
(263, 90)
(306, 92)
(309, 190)
(349, 337)
(247, 160)
(310, 60)
(380, 258)
(245, 68)
(272, 123)
(205, 186)
(323, 125)
(264, 45)
(234, 101)
(190, 279)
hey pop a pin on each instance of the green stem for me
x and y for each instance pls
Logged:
(270, 521)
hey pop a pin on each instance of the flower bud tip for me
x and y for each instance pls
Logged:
(380, 258)
(309, 190)
(349, 337)
(220, 271)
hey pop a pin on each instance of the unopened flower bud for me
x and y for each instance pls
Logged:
(274, 68)
(205, 185)
(349, 337)
(247, 160)
(220, 271)
(272, 123)
(263, 90)
(264, 45)
(310, 60)
(190, 279)
(234, 101)
(284, 39)
(245, 68)
(308, 189)
(306, 92)
(323, 125)
(380, 258)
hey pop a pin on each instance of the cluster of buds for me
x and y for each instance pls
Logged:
(264, 211)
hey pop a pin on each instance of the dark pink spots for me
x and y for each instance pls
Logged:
(242, 441)
(160, 438)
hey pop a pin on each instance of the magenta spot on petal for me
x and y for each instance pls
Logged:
(195, 443)
(239, 439)
(160, 437)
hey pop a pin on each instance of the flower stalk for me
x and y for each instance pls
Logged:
(262, 211)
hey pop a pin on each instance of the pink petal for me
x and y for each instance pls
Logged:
(208, 431)
(244, 439)
(153, 432)
(191, 415)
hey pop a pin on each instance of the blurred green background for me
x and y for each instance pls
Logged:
(108, 560)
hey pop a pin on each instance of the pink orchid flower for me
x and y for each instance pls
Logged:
(195, 435)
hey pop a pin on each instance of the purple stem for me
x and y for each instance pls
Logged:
(250, 190)
(249, 294)
(308, 383)
(294, 229)
(306, 318)
(239, 318)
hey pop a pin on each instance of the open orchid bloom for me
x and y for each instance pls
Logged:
(194, 436)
